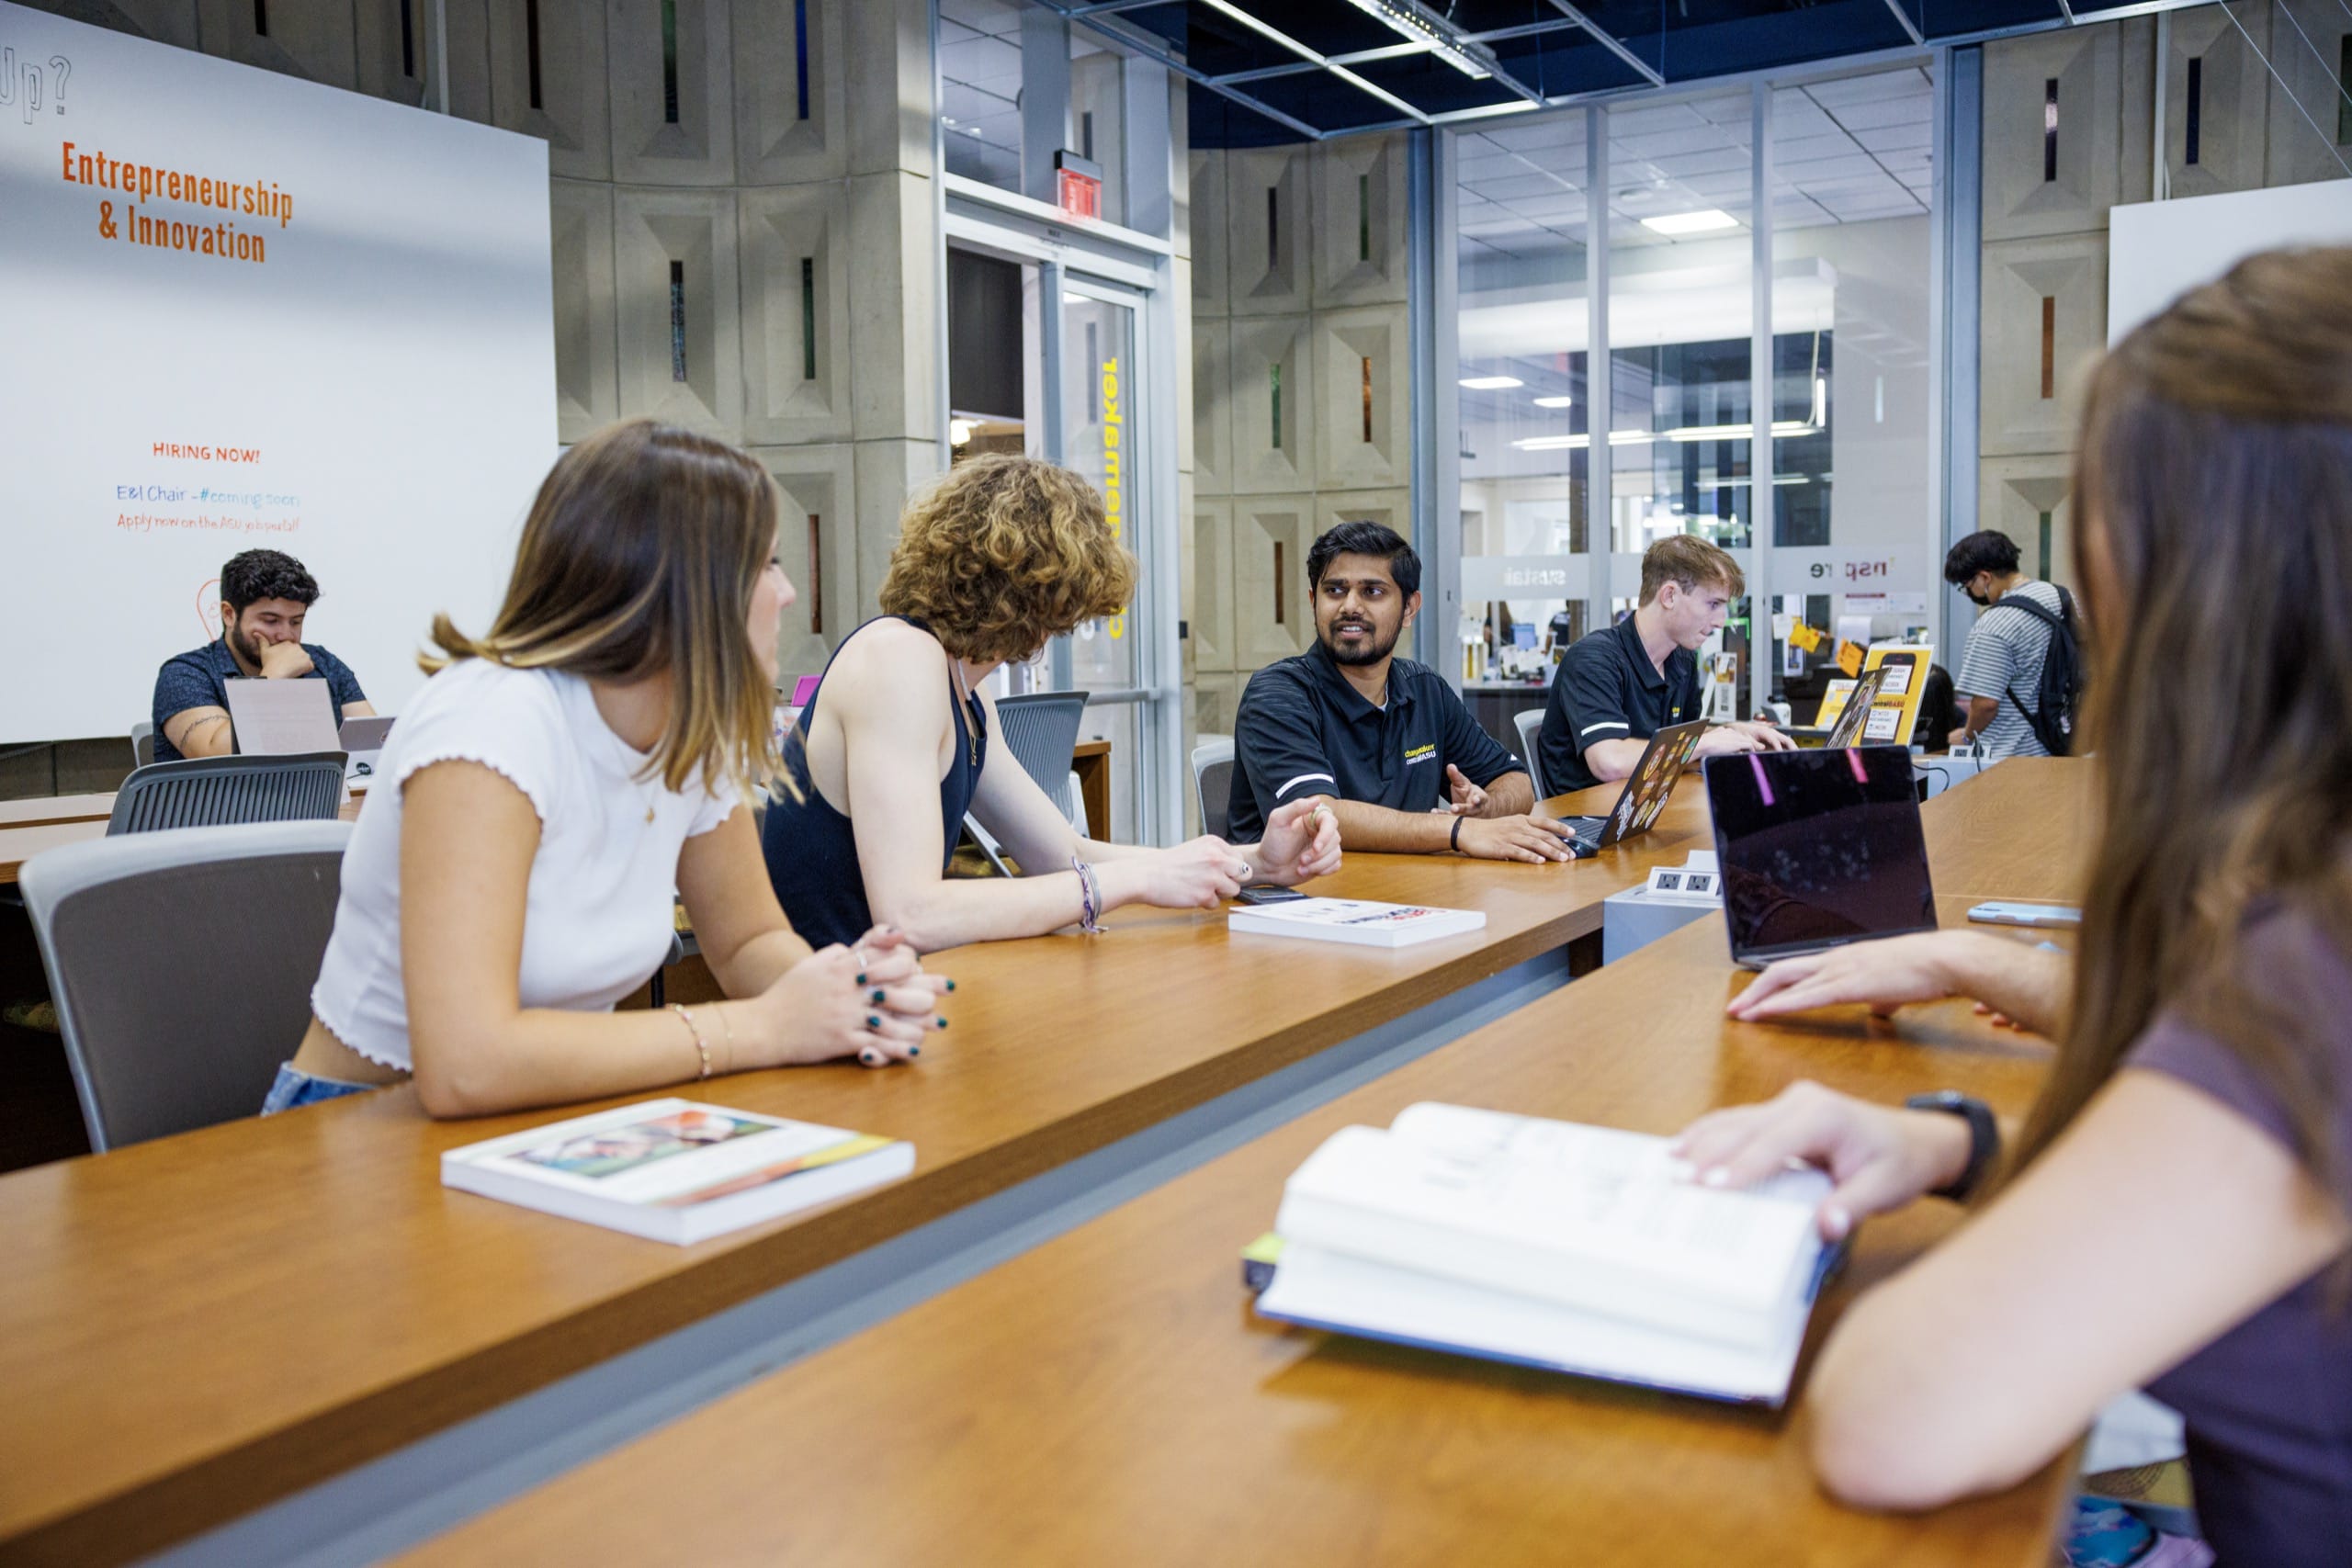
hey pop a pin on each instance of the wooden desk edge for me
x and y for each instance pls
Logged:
(167, 1509)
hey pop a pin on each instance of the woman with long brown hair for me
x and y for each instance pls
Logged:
(2176, 1212)
(511, 872)
(894, 748)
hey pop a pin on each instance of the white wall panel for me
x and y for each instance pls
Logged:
(2231, 106)
(1266, 222)
(796, 271)
(587, 361)
(655, 140)
(698, 384)
(817, 543)
(315, 42)
(2053, 164)
(1210, 612)
(1273, 404)
(1274, 617)
(2044, 320)
(1361, 414)
(547, 79)
(1359, 236)
(782, 137)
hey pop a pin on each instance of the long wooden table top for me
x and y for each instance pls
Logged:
(28, 827)
(193, 1327)
(1110, 1397)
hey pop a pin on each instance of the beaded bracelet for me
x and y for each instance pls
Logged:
(1089, 898)
(694, 1029)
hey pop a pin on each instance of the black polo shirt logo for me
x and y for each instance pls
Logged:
(1422, 753)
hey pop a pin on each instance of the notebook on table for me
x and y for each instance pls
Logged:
(1817, 850)
(1647, 789)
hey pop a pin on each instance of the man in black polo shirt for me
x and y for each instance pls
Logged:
(1381, 740)
(265, 596)
(1618, 687)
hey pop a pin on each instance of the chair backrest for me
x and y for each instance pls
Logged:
(1212, 777)
(142, 743)
(181, 965)
(1530, 722)
(213, 792)
(1042, 729)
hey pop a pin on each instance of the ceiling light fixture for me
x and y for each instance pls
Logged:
(1411, 24)
(1491, 383)
(1554, 402)
(1704, 222)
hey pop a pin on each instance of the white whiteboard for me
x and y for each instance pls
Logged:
(366, 381)
(2161, 250)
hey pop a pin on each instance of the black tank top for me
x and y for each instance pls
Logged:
(811, 849)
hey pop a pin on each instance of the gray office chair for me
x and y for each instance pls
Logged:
(1042, 730)
(1213, 779)
(181, 963)
(1529, 721)
(142, 743)
(212, 792)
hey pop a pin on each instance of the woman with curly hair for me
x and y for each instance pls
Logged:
(893, 749)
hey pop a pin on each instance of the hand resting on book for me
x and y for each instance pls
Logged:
(1880, 1158)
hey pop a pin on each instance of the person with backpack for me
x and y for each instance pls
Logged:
(2022, 674)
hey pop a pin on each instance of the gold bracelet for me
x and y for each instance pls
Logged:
(692, 1028)
(725, 1023)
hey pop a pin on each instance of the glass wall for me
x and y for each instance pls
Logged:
(1850, 492)
(1523, 330)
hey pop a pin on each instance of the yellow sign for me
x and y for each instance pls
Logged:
(1805, 636)
(1906, 680)
(1114, 511)
(1850, 657)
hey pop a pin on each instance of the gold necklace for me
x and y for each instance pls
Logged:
(964, 696)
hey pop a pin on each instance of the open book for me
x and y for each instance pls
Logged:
(675, 1170)
(1578, 1248)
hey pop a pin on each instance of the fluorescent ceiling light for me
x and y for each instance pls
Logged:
(1491, 383)
(1554, 402)
(1705, 222)
(1578, 443)
(1412, 25)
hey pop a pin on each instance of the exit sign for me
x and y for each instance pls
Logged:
(1079, 185)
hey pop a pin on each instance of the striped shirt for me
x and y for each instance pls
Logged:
(2005, 655)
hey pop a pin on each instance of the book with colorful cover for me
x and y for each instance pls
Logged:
(675, 1170)
(1358, 920)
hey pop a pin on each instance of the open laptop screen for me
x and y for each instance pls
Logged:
(1818, 848)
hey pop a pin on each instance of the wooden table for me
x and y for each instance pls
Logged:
(1109, 1397)
(28, 827)
(194, 1328)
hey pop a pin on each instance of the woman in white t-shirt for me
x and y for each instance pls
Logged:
(510, 874)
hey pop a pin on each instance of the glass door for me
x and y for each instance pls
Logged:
(1113, 658)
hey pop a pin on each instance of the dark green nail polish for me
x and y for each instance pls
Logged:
(877, 998)
(943, 1023)
(951, 985)
(873, 1021)
(914, 1049)
(861, 978)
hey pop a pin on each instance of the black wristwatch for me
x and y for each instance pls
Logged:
(1984, 1138)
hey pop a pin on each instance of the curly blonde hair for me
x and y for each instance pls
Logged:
(1003, 553)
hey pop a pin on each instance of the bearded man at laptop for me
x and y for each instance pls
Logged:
(265, 597)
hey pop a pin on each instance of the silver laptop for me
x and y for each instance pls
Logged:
(363, 743)
(1818, 848)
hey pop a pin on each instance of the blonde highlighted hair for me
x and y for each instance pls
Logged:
(1003, 553)
(641, 556)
